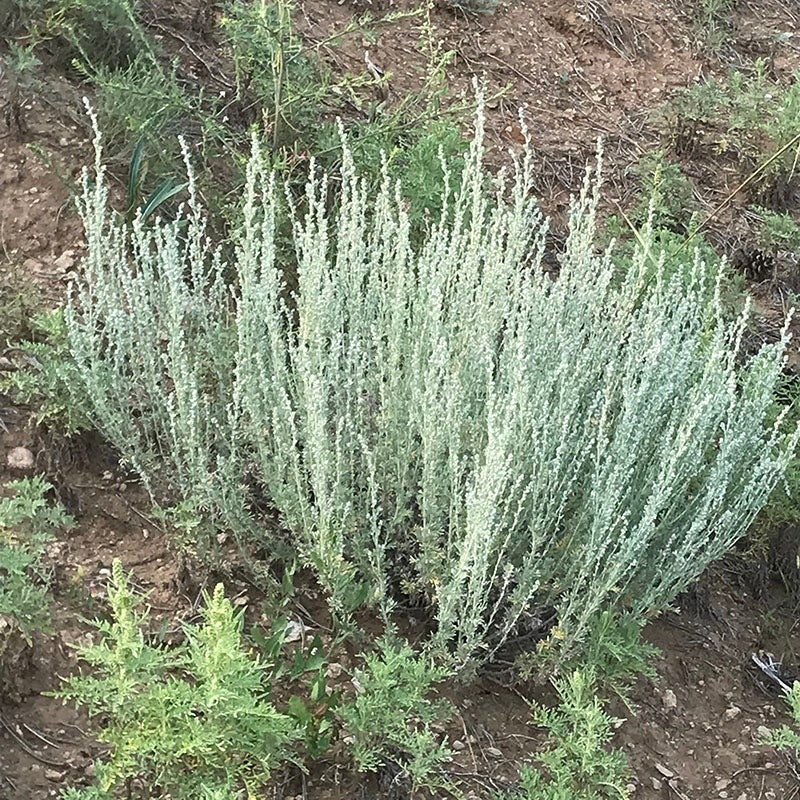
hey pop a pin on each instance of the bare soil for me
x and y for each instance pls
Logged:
(582, 70)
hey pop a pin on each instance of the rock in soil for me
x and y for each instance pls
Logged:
(20, 459)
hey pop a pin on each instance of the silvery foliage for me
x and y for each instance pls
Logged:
(449, 420)
(151, 329)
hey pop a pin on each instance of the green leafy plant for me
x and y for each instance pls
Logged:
(296, 100)
(783, 506)
(391, 716)
(45, 376)
(713, 20)
(474, 7)
(28, 522)
(20, 68)
(142, 107)
(577, 765)
(777, 231)
(101, 32)
(771, 549)
(668, 197)
(20, 301)
(640, 247)
(312, 703)
(17, 16)
(274, 69)
(785, 737)
(434, 150)
(98, 32)
(137, 203)
(196, 721)
(750, 117)
(615, 654)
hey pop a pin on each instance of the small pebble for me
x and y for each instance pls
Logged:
(494, 752)
(669, 700)
(732, 713)
(333, 670)
(667, 773)
(19, 458)
(66, 261)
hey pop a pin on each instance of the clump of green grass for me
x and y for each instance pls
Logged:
(712, 18)
(750, 117)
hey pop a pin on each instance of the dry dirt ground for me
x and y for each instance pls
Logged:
(582, 70)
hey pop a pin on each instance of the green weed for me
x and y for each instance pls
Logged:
(274, 73)
(200, 717)
(474, 7)
(97, 32)
(391, 716)
(45, 378)
(752, 118)
(713, 21)
(783, 506)
(577, 765)
(614, 653)
(667, 194)
(777, 231)
(312, 703)
(144, 100)
(20, 301)
(196, 721)
(785, 737)
(27, 524)
(139, 203)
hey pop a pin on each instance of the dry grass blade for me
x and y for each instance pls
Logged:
(795, 140)
(619, 33)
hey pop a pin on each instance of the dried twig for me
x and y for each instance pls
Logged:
(26, 747)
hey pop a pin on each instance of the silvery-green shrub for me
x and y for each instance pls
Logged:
(151, 330)
(446, 423)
